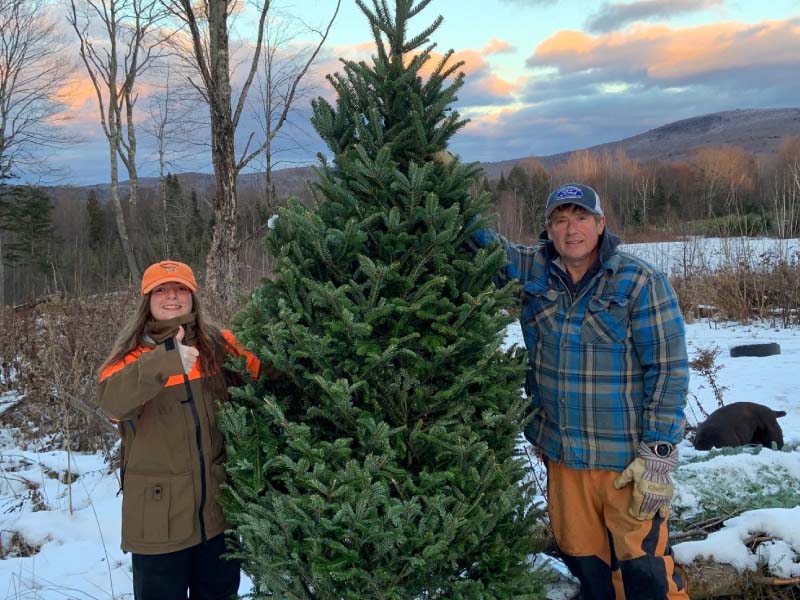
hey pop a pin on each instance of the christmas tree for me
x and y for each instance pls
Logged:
(383, 463)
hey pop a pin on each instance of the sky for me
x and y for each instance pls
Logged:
(542, 76)
(80, 556)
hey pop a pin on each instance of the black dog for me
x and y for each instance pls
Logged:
(738, 424)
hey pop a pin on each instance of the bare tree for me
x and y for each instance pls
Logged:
(129, 46)
(171, 127)
(276, 78)
(208, 28)
(33, 71)
(726, 174)
(785, 193)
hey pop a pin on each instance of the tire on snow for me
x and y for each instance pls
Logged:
(756, 350)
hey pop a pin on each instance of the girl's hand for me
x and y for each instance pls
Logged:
(188, 354)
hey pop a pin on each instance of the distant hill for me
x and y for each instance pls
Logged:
(758, 131)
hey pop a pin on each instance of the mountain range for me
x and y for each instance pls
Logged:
(758, 131)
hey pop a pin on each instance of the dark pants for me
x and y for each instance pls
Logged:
(200, 570)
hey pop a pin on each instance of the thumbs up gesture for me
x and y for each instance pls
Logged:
(188, 354)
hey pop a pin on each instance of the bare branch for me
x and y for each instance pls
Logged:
(33, 73)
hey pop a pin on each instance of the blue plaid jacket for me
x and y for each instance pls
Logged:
(608, 367)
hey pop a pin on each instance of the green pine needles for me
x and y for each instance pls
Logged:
(382, 464)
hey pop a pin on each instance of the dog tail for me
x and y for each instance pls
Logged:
(779, 413)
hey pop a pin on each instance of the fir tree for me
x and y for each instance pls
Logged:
(382, 463)
(95, 221)
(502, 186)
(25, 213)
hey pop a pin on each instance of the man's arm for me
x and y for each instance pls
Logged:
(520, 258)
(659, 337)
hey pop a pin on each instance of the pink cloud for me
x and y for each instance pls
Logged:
(496, 86)
(486, 125)
(663, 52)
(496, 46)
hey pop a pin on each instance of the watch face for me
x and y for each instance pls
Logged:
(662, 449)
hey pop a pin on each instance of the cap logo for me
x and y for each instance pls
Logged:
(569, 191)
(169, 268)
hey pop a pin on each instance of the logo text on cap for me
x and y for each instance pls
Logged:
(569, 191)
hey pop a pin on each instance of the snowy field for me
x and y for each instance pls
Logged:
(79, 555)
(76, 528)
(697, 254)
(727, 481)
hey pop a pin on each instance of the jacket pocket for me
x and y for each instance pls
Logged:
(606, 321)
(541, 310)
(157, 508)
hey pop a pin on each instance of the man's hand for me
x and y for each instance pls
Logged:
(652, 485)
(188, 353)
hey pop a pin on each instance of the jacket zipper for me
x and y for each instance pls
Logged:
(200, 455)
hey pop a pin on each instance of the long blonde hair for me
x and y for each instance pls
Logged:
(211, 344)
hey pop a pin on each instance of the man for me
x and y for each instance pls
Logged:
(607, 383)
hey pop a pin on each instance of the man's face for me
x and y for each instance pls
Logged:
(575, 233)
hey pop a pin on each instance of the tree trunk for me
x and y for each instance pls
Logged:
(2, 275)
(133, 267)
(133, 179)
(270, 199)
(222, 264)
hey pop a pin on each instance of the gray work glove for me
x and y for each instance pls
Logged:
(652, 485)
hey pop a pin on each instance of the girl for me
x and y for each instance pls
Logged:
(160, 384)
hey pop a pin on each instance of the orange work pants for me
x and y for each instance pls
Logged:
(612, 554)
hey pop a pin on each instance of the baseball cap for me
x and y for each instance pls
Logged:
(573, 193)
(165, 271)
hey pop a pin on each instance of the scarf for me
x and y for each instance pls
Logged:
(159, 331)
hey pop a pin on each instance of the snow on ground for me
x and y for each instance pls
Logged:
(78, 552)
(696, 254)
(745, 477)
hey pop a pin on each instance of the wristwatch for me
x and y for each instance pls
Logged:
(662, 449)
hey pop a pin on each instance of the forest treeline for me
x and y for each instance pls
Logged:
(64, 240)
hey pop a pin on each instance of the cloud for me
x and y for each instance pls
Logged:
(576, 122)
(525, 3)
(587, 89)
(660, 55)
(616, 15)
(496, 46)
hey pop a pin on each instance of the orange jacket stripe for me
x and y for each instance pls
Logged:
(253, 364)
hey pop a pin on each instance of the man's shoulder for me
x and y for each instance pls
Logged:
(630, 263)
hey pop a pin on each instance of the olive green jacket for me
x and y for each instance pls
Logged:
(172, 449)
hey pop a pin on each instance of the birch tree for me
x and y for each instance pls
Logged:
(276, 83)
(129, 45)
(171, 126)
(207, 24)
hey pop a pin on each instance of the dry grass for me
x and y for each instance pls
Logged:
(743, 294)
(15, 546)
(641, 236)
(51, 352)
